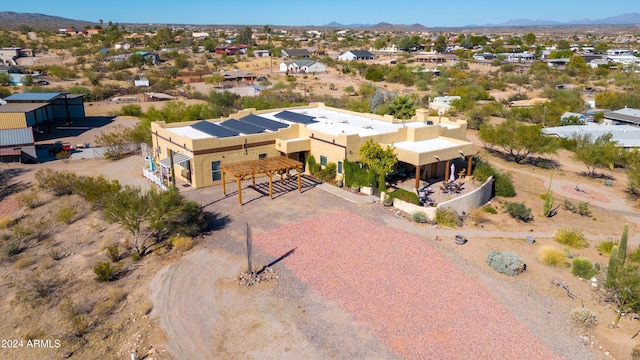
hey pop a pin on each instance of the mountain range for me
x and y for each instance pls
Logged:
(624, 19)
(13, 20)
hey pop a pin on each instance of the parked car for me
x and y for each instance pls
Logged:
(42, 82)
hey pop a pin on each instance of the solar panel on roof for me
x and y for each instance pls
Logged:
(213, 129)
(263, 122)
(295, 117)
(241, 127)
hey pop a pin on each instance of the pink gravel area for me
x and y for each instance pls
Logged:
(8, 207)
(401, 289)
(592, 195)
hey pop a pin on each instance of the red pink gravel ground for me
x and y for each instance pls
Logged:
(401, 289)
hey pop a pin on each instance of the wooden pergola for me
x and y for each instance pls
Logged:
(268, 166)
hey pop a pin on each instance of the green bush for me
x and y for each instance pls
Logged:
(550, 255)
(130, 110)
(135, 256)
(328, 173)
(404, 195)
(570, 237)
(65, 214)
(583, 268)
(583, 209)
(489, 209)
(502, 182)
(59, 183)
(634, 256)
(12, 248)
(447, 217)
(506, 262)
(419, 217)
(105, 272)
(113, 252)
(519, 211)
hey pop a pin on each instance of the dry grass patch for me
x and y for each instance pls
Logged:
(550, 255)
(570, 237)
(181, 243)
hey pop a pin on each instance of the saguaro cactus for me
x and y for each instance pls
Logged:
(622, 252)
(613, 265)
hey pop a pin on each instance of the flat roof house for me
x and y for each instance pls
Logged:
(200, 149)
(626, 116)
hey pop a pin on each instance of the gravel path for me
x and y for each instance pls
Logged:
(401, 289)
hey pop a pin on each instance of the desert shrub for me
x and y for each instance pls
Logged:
(130, 110)
(634, 256)
(59, 183)
(77, 317)
(96, 190)
(65, 214)
(583, 209)
(550, 255)
(519, 211)
(584, 317)
(29, 199)
(604, 247)
(6, 222)
(570, 237)
(181, 243)
(503, 185)
(23, 263)
(583, 268)
(64, 154)
(109, 304)
(12, 248)
(478, 216)
(419, 217)
(55, 254)
(105, 272)
(489, 209)
(635, 353)
(506, 262)
(113, 252)
(404, 195)
(447, 217)
(38, 286)
(135, 256)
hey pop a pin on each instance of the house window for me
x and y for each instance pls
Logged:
(216, 174)
(323, 160)
(339, 167)
(262, 156)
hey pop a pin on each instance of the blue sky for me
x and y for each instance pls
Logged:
(299, 13)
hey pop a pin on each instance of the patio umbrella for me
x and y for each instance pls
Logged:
(452, 176)
(152, 165)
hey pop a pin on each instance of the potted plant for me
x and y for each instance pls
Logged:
(339, 182)
(388, 200)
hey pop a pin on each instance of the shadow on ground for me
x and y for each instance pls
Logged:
(8, 186)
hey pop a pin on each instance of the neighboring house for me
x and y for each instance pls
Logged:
(529, 102)
(200, 35)
(230, 50)
(626, 116)
(39, 109)
(303, 66)
(122, 45)
(295, 53)
(626, 136)
(557, 62)
(261, 53)
(149, 57)
(238, 75)
(442, 102)
(332, 135)
(356, 55)
(17, 145)
(141, 81)
(580, 117)
(8, 56)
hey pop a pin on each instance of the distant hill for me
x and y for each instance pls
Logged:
(624, 19)
(379, 26)
(12, 21)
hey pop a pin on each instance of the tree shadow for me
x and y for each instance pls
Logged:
(215, 222)
(8, 186)
(596, 175)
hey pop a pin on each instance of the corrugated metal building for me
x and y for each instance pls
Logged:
(61, 106)
(17, 145)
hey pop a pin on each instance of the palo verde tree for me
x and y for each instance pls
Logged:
(599, 153)
(153, 214)
(519, 140)
(379, 160)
